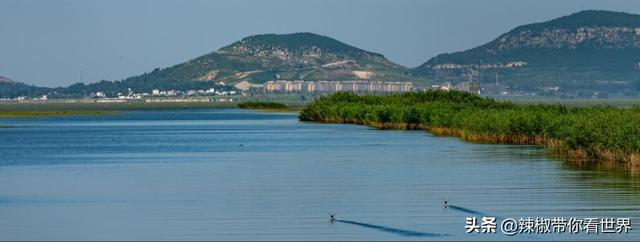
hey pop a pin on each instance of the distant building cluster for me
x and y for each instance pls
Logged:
(25, 98)
(461, 86)
(472, 85)
(337, 86)
(514, 64)
(163, 93)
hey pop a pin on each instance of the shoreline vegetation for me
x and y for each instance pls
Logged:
(266, 106)
(51, 113)
(599, 134)
(99, 107)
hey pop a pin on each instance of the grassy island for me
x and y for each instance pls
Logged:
(260, 105)
(597, 133)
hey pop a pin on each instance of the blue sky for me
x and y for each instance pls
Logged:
(51, 42)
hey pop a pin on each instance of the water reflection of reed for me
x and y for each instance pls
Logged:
(625, 177)
(622, 176)
(611, 168)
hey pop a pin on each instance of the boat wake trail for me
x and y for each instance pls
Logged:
(402, 232)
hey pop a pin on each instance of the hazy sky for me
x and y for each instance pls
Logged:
(51, 42)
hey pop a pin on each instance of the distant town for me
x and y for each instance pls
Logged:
(241, 89)
(244, 88)
(337, 86)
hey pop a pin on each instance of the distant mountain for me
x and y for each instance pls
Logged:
(5, 80)
(257, 59)
(295, 56)
(10, 89)
(587, 51)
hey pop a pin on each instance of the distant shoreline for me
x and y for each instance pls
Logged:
(11, 114)
(292, 101)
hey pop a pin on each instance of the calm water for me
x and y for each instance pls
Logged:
(239, 175)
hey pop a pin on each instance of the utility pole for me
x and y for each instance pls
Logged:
(437, 70)
(474, 84)
(84, 92)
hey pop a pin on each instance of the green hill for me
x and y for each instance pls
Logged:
(12, 89)
(294, 56)
(258, 58)
(584, 52)
(287, 56)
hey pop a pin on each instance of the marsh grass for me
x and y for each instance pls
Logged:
(600, 133)
(265, 106)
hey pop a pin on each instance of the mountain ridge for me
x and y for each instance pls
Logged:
(293, 41)
(565, 52)
(6, 80)
(259, 58)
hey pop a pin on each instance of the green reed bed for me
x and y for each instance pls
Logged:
(262, 105)
(596, 133)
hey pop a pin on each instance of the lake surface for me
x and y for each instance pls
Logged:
(242, 175)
